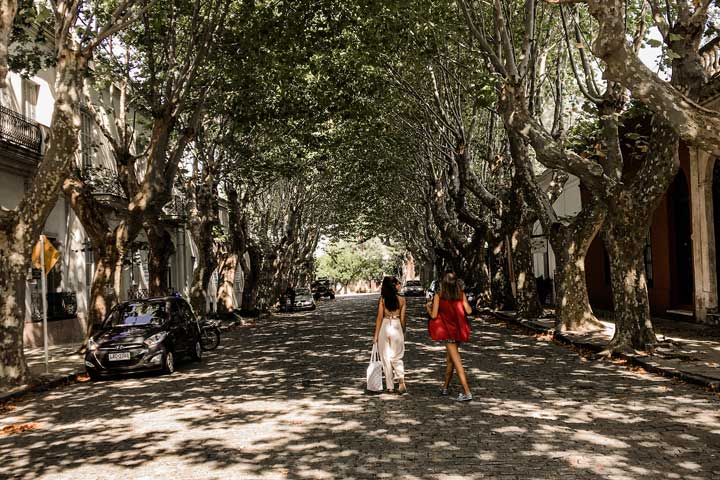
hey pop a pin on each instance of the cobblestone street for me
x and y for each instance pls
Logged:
(286, 400)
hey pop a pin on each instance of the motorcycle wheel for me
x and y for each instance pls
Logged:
(209, 338)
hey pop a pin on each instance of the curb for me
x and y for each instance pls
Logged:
(40, 385)
(710, 383)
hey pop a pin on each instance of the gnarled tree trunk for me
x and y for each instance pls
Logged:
(104, 290)
(633, 325)
(252, 271)
(20, 229)
(8, 9)
(13, 370)
(525, 286)
(160, 249)
(570, 245)
(502, 292)
(227, 271)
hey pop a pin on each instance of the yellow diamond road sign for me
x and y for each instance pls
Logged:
(51, 254)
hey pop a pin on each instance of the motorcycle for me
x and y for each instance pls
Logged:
(209, 335)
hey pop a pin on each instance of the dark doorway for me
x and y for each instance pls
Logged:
(681, 243)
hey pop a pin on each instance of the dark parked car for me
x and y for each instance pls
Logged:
(413, 288)
(149, 334)
(304, 300)
(321, 288)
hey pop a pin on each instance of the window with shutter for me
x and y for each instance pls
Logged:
(30, 99)
(86, 138)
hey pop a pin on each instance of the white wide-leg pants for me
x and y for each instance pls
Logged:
(391, 344)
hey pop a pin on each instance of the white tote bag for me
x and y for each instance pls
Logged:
(374, 371)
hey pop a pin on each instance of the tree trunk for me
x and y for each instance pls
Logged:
(502, 295)
(8, 9)
(252, 273)
(484, 287)
(226, 290)
(103, 291)
(20, 229)
(525, 286)
(633, 324)
(570, 245)
(201, 279)
(477, 273)
(13, 370)
(160, 249)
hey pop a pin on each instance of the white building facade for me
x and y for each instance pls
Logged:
(26, 108)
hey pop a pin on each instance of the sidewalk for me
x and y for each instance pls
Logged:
(688, 351)
(64, 366)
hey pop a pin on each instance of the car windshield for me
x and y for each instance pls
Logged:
(412, 283)
(302, 291)
(137, 314)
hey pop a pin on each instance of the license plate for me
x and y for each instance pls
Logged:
(119, 356)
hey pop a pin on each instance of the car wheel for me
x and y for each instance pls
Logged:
(169, 363)
(94, 377)
(197, 353)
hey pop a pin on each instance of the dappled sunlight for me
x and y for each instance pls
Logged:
(286, 400)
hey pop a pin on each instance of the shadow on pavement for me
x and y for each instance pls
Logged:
(286, 400)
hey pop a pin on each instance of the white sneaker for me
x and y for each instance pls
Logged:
(464, 398)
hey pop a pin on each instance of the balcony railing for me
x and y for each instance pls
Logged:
(19, 130)
(102, 181)
(710, 57)
(175, 209)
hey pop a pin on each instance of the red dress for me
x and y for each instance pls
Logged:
(450, 323)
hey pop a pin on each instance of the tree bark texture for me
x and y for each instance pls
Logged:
(160, 249)
(104, 289)
(525, 286)
(13, 370)
(8, 9)
(502, 294)
(21, 228)
(570, 244)
(108, 255)
(695, 124)
(227, 270)
(633, 325)
(626, 229)
(252, 271)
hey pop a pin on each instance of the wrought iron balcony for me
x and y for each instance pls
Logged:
(19, 130)
(175, 209)
(102, 181)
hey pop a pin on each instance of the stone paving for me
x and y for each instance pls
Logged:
(685, 350)
(286, 400)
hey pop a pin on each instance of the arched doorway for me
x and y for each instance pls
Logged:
(682, 281)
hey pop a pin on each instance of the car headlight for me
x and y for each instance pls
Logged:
(155, 339)
(92, 345)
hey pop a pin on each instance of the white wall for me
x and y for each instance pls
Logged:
(12, 188)
(567, 205)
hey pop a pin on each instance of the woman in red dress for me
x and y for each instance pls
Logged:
(449, 325)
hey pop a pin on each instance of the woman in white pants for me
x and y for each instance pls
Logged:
(390, 333)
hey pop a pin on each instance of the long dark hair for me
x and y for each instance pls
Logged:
(449, 287)
(389, 294)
